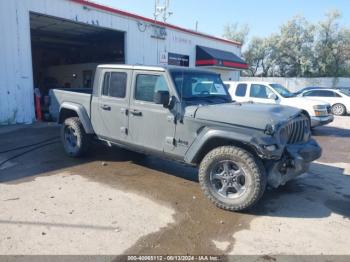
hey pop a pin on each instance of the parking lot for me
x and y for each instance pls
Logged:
(118, 202)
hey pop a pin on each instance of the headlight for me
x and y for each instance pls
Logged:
(320, 110)
(271, 148)
(270, 129)
(319, 107)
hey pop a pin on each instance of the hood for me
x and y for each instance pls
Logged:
(292, 101)
(245, 114)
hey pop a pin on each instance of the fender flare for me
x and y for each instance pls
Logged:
(82, 114)
(208, 134)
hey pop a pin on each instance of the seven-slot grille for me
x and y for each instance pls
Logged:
(296, 129)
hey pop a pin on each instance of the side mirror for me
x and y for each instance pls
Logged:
(273, 96)
(162, 98)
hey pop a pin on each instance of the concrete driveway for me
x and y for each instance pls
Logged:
(118, 202)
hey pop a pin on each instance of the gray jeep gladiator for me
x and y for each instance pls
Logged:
(188, 115)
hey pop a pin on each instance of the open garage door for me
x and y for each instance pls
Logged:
(65, 53)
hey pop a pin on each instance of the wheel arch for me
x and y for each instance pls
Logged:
(68, 110)
(216, 138)
(306, 113)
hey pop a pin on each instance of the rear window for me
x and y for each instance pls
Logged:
(114, 84)
(241, 90)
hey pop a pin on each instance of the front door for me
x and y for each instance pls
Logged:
(110, 106)
(151, 125)
(260, 94)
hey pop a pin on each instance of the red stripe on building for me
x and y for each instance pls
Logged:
(206, 62)
(235, 64)
(123, 13)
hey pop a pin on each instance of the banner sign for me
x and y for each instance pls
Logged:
(178, 60)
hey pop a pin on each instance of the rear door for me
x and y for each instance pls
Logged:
(240, 93)
(151, 125)
(110, 105)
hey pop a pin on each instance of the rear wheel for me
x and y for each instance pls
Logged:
(232, 178)
(338, 110)
(75, 141)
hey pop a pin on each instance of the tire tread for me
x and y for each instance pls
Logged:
(254, 164)
(80, 131)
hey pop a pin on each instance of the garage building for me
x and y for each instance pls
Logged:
(49, 44)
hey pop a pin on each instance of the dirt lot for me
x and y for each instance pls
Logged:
(118, 202)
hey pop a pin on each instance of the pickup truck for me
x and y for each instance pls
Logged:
(318, 112)
(188, 115)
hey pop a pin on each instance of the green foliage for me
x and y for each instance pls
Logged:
(236, 32)
(259, 55)
(332, 47)
(302, 49)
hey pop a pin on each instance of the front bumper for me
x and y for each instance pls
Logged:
(295, 161)
(321, 120)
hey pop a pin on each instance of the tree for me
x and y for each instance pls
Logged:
(294, 47)
(259, 56)
(254, 55)
(236, 32)
(332, 47)
(298, 49)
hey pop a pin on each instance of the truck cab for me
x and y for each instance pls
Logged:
(123, 108)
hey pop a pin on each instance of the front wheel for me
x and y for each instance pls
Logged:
(75, 141)
(232, 178)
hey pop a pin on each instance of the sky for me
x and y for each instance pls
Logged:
(263, 16)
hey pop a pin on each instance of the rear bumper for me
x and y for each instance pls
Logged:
(320, 121)
(294, 162)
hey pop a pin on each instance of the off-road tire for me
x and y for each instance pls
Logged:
(250, 163)
(343, 111)
(83, 139)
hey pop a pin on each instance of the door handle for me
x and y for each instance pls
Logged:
(106, 107)
(136, 112)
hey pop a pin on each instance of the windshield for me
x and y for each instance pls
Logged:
(282, 90)
(200, 86)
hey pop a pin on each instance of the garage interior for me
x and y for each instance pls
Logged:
(66, 53)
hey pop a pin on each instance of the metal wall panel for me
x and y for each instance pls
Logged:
(16, 83)
(16, 78)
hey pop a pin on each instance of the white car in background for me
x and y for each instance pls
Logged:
(340, 101)
(319, 112)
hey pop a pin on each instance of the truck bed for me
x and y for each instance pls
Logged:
(81, 96)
